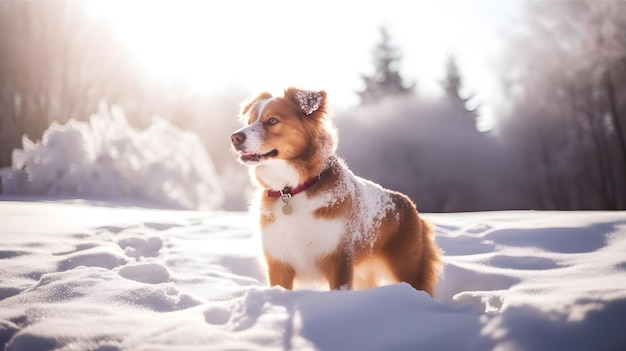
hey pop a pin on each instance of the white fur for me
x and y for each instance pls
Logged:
(262, 104)
(300, 239)
(255, 131)
(278, 174)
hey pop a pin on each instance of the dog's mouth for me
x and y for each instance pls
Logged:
(252, 157)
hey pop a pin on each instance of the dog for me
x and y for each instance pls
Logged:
(318, 221)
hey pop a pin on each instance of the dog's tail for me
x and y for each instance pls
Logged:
(430, 260)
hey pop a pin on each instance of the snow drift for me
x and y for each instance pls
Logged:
(107, 158)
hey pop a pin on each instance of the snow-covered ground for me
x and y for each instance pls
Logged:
(81, 275)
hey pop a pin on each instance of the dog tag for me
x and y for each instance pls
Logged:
(285, 195)
(287, 209)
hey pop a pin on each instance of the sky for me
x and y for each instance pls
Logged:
(266, 46)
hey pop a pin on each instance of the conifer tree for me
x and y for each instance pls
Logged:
(386, 80)
(452, 85)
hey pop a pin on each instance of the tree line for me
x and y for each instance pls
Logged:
(567, 86)
(559, 143)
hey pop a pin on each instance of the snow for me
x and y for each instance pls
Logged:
(309, 101)
(80, 275)
(105, 157)
(374, 203)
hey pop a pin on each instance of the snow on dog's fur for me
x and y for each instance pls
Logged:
(317, 219)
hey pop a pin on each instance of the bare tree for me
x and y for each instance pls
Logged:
(56, 64)
(566, 76)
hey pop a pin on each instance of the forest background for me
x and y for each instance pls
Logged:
(558, 141)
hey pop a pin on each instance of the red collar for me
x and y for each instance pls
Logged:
(293, 191)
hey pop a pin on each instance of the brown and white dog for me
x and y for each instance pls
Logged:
(317, 219)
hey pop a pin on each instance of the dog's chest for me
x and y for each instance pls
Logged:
(300, 238)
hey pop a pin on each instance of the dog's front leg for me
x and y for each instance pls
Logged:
(280, 273)
(338, 269)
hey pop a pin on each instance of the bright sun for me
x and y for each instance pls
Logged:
(326, 44)
(252, 45)
(209, 45)
(171, 39)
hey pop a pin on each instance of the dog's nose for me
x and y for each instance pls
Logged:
(238, 138)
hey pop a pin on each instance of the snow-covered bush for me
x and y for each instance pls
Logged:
(106, 158)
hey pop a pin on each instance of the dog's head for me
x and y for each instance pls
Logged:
(292, 128)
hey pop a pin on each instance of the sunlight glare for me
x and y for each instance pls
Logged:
(208, 45)
(173, 40)
(269, 45)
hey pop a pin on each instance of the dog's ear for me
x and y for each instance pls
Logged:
(306, 101)
(246, 106)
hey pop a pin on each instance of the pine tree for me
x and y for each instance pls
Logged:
(452, 85)
(386, 80)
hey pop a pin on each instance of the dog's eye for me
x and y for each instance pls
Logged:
(272, 121)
